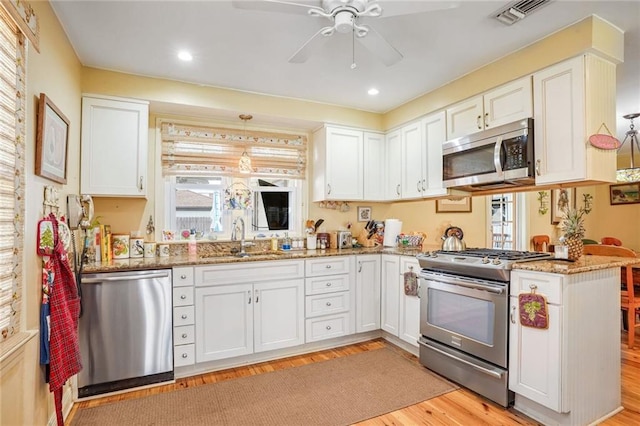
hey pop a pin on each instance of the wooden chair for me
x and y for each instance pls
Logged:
(540, 242)
(629, 296)
(611, 241)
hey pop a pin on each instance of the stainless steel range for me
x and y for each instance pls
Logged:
(464, 322)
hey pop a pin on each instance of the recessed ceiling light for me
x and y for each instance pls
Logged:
(185, 56)
(373, 91)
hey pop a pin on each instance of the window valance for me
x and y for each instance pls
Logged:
(191, 150)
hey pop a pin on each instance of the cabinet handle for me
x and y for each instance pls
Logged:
(478, 122)
(328, 303)
(140, 184)
(423, 184)
(183, 277)
(418, 185)
(328, 284)
(184, 355)
(184, 335)
(328, 327)
(360, 266)
(486, 120)
(184, 316)
(257, 295)
(398, 189)
(513, 314)
(249, 293)
(184, 296)
(538, 167)
(328, 189)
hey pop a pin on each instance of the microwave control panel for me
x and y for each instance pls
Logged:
(515, 152)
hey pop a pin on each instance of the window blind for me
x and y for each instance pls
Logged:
(191, 150)
(12, 132)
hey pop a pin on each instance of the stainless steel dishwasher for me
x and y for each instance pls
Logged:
(126, 336)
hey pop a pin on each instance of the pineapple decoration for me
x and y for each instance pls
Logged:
(572, 226)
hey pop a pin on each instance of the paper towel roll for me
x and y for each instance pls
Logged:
(392, 228)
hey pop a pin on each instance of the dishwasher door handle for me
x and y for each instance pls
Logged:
(125, 278)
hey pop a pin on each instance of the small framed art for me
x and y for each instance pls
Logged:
(52, 141)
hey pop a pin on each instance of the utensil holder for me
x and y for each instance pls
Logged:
(364, 241)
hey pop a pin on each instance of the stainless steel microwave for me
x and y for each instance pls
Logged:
(501, 157)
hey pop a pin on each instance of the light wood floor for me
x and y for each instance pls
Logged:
(460, 407)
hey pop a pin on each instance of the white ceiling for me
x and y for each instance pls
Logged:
(248, 49)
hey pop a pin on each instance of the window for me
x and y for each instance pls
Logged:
(12, 133)
(503, 224)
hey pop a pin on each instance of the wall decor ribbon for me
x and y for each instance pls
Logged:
(26, 19)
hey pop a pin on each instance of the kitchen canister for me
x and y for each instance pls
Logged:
(163, 250)
(136, 247)
(150, 249)
(120, 246)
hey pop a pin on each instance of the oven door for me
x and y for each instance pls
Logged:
(467, 314)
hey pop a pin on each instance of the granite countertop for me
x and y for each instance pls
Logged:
(136, 264)
(584, 264)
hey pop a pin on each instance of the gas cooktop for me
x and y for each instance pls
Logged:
(501, 254)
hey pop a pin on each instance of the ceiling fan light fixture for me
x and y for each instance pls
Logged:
(631, 174)
(344, 21)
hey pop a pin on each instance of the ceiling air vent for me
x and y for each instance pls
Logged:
(517, 10)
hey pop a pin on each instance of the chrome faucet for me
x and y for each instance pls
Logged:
(234, 236)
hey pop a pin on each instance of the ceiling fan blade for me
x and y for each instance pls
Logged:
(314, 43)
(380, 47)
(396, 8)
(300, 7)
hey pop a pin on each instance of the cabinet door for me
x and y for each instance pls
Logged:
(434, 135)
(413, 160)
(409, 330)
(114, 147)
(508, 103)
(278, 314)
(559, 102)
(374, 159)
(393, 187)
(535, 358)
(464, 118)
(224, 322)
(390, 293)
(367, 293)
(344, 164)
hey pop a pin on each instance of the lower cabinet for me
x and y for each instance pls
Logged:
(367, 292)
(409, 305)
(183, 317)
(400, 313)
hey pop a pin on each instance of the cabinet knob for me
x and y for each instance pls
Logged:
(328, 284)
(328, 327)
(183, 277)
(328, 303)
(184, 296)
(184, 335)
(185, 355)
(328, 266)
(184, 316)
(533, 287)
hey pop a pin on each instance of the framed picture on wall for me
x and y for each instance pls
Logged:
(52, 141)
(561, 200)
(624, 193)
(364, 214)
(454, 205)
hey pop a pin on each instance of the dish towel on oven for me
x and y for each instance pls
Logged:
(410, 284)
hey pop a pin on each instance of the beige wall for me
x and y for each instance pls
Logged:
(56, 72)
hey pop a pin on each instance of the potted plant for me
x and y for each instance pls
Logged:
(572, 227)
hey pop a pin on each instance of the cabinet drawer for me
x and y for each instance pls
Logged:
(328, 284)
(324, 304)
(184, 355)
(328, 266)
(182, 276)
(250, 272)
(549, 285)
(182, 296)
(327, 327)
(183, 315)
(184, 334)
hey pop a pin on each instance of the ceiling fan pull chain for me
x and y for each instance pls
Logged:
(353, 49)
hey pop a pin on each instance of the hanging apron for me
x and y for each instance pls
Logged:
(65, 309)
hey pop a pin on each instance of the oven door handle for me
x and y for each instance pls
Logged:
(481, 369)
(466, 284)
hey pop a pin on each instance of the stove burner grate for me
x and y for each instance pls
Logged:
(502, 254)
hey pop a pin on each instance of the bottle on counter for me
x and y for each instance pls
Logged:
(192, 248)
(274, 244)
(286, 243)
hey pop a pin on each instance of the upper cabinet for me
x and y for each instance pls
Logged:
(572, 100)
(507, 103)
(373, 168)
(338, 161)
(114, 147)
(393, 165)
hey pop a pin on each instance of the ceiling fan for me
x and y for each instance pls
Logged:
(344, 17)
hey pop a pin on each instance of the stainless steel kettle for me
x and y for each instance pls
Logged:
(452, 239)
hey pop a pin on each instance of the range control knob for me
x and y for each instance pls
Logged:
(496, 261)
(485, 260)
(433, 254)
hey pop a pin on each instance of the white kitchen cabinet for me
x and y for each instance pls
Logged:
(393, 164)
(253, 308)
(414, 159)
(554, 371)
(367, 292)
(114, 150)
(183, 316)
(409, 314)
(572, 100)
(338, 164)
(373, 167)
(502, 105)
(390, 294)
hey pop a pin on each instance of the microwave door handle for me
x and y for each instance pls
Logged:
(497, 151)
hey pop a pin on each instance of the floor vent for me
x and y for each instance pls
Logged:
(517, 10)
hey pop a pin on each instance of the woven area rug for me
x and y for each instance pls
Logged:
(339, 391)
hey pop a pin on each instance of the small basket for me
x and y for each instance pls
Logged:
(411, 240)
